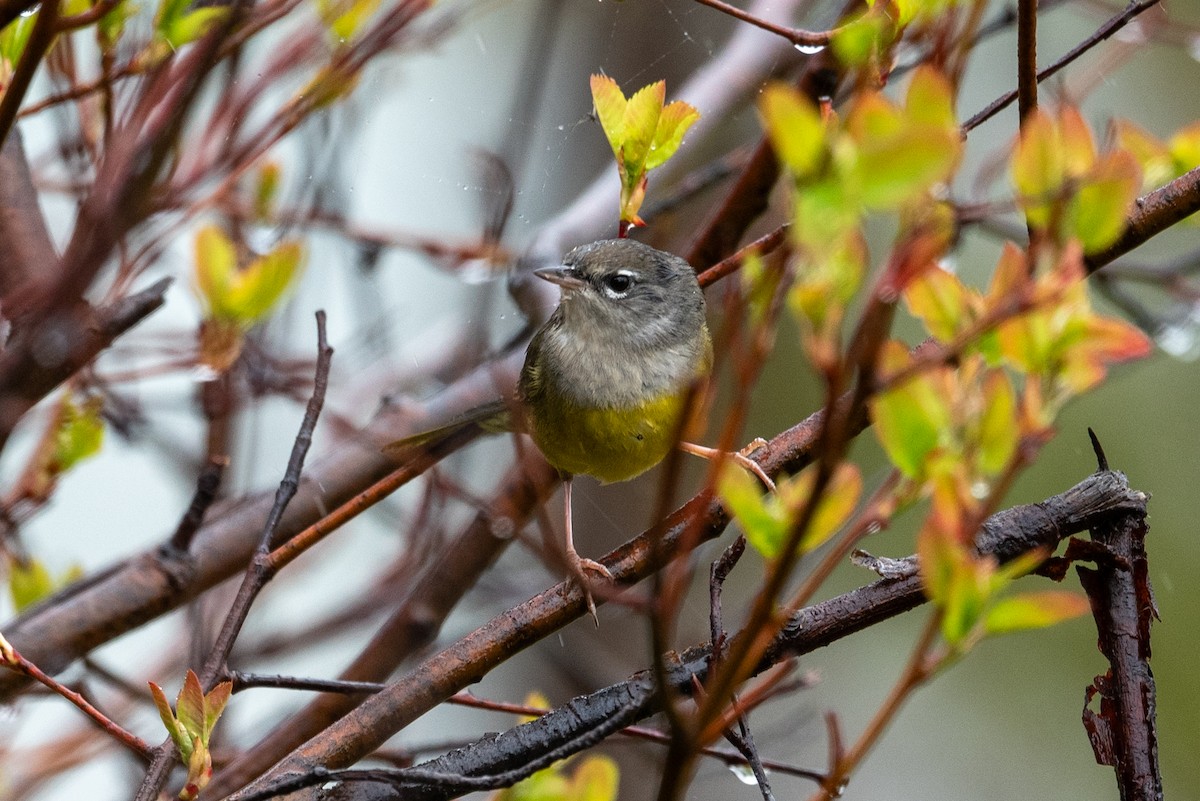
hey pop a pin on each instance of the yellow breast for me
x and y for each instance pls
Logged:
(611, 444)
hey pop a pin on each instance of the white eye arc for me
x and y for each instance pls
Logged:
(618, 284)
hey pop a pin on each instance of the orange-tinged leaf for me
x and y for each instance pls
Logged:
(174, 728)
(214, 705)
(1150, 152)
(795, 128)
(930, 99)
(673, 123)
(189, 706)
(1079, 149)
(1034, 610)
(609, 103)
(1103, 201)
(1011, 274)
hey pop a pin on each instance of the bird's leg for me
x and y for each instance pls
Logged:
(578, 564)
(738, 457)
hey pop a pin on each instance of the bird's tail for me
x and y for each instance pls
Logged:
(493, 418)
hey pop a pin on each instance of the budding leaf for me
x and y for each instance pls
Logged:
(1034, 610)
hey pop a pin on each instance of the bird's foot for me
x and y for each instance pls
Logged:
(580, 567)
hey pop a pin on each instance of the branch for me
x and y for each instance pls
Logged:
(797, 36)
(28, 251)
(1123, 734)
(34, 370)
(566, 730)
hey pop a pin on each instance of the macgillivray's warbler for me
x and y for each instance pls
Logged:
(607, 378)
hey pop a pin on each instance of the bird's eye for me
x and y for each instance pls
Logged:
(618, 284)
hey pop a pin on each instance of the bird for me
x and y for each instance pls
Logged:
(608, 378)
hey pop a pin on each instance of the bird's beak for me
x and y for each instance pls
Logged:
(566, 277)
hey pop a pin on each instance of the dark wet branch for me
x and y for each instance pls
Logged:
(573, 727)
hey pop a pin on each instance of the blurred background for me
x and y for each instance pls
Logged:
(400, 158)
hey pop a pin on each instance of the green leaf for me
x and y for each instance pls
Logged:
(189, 27)
(1184, 146)
(214, 705)
(998, 425)
(259, 286)
(29, 582)
(861, 39)
(174, 728)
(80, 432)
(1034, 610)
(215, 268)
(795, 128)
(765, 524)
(14, 37)
(912, 419)
(836, 504)
(1104, 200)
(930, 100)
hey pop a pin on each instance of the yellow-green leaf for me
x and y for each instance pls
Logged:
(894, 169)
(795, 128)
(998, 425)
(764, 523)
(256, 289)
(596, 779)
(1034, 610)
(216, 266)
(29, 582)
(835, 506)
(189, 706)
(609, 102)
(911, 420)
(1103, 201)
(179, 735)
(940, 301)
(673, 123)
(80, 433)
(930, 100)
(1038, 166)
(1185, 148)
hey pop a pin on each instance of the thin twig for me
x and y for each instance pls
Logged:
(797, 36)
(13, 660)
(207, 485)
(257, 574)
(1111, 26)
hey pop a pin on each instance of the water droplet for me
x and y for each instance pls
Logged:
(949, 264)
(562, 127)
(476, 271)
(744, 774)
(874, 528)
(203, 373)
(980, 489)
(29, 12)
(809, 50)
